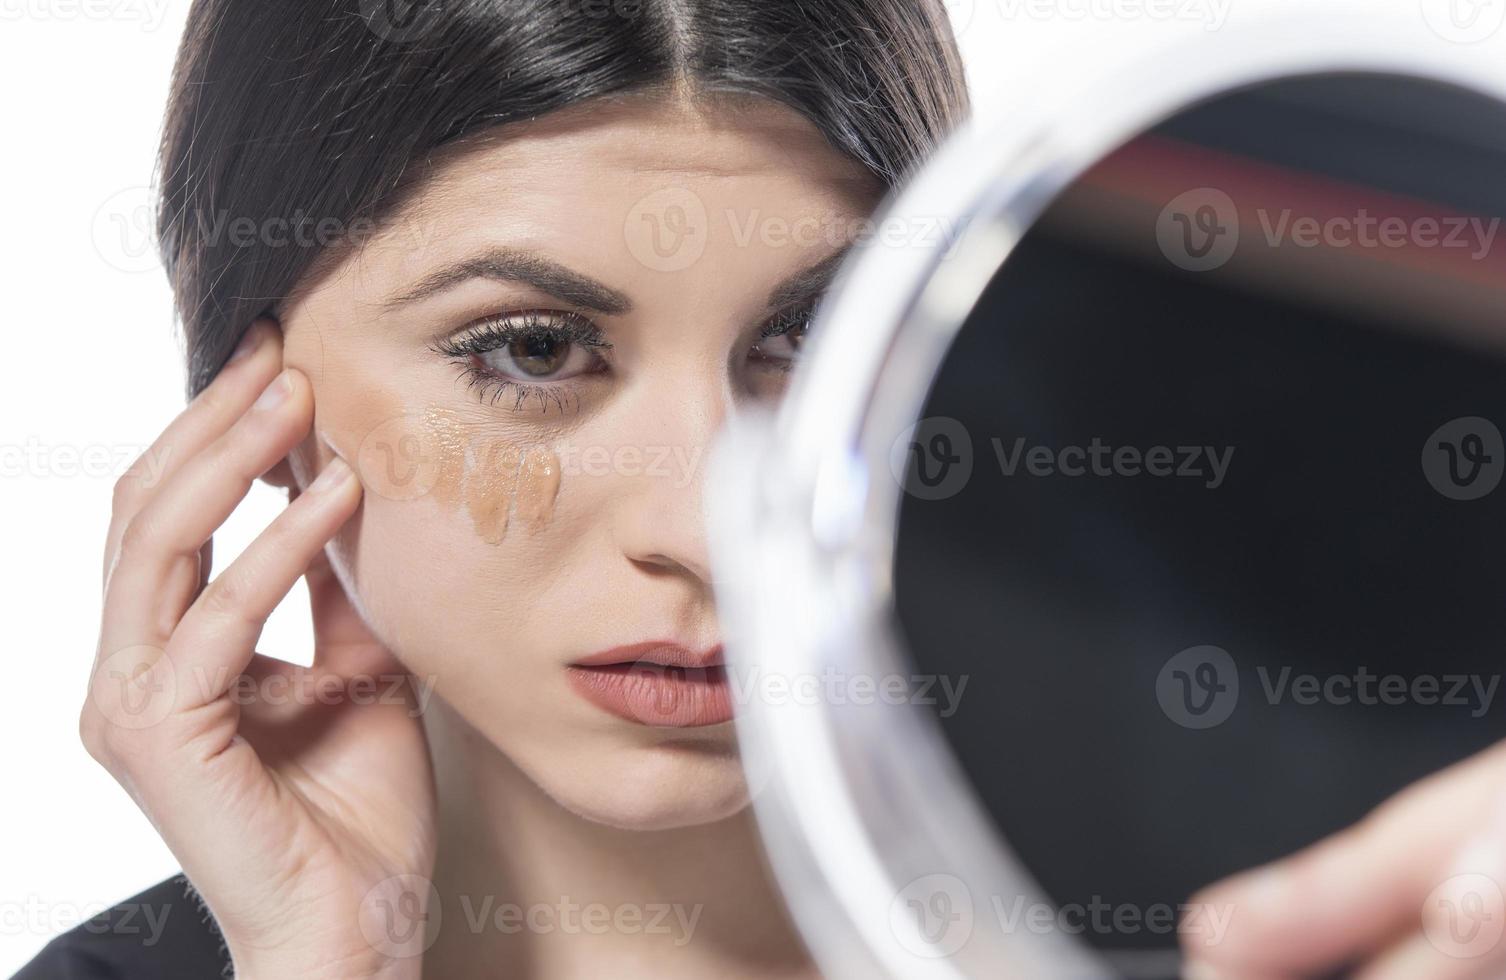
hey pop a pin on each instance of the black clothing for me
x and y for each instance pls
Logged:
(165, 932)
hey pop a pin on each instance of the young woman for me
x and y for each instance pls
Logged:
(476, 281)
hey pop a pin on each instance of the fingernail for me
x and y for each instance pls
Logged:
(329, 444)
(250, 341)
(276, 393)
(335, 474)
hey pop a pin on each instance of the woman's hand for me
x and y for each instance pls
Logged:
(1413, 891)
(300, 801)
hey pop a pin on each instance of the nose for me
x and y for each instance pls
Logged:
(660, 526)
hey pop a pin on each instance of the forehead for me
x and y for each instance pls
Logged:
(603, 183)
(648, 136)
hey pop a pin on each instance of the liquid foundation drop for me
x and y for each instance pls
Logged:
(445, 438)
(540, 484)
(490, 487)
(489, 476)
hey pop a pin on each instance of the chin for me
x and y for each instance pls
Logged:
(672, 785)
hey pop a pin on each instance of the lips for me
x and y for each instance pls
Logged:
(657, 683)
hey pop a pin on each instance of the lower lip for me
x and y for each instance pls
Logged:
(652, 694)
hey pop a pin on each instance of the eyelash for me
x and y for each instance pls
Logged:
(493, 333)
(784, 323)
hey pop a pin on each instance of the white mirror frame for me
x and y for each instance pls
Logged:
(863, 808)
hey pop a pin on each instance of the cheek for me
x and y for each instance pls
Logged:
(493, 476)
(502, 481)
(466, 532)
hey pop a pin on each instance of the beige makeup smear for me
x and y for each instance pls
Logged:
(445, 438)
(451, 457)
(490, 487)
(540, 484)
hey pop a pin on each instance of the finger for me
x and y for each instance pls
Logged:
(135, 688)
(1418, 956)
(218, 633)
(1460, 924)
(206, 564)
(211, 412)
(158, 573)
(343, 643)
(1353, 892)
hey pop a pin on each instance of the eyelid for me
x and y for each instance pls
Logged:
(489, 332)
(790, 317)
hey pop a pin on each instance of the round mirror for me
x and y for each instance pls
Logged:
(1158, 532)
(1226, 569)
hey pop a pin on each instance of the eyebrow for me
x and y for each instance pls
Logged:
(516, 265)
(520, 266)
(808, 282)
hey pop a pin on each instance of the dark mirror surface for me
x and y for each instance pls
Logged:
(1229, 567)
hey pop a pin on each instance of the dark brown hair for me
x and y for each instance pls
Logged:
(305, 115)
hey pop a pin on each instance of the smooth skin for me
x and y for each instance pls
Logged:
(276, 812)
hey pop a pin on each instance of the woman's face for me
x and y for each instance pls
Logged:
(527, 367)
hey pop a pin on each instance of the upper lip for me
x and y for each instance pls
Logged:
(666, 653)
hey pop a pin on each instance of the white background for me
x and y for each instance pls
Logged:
(90, 371)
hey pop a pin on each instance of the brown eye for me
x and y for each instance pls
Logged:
(541, 352)
(781, 343)
(540, 355)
